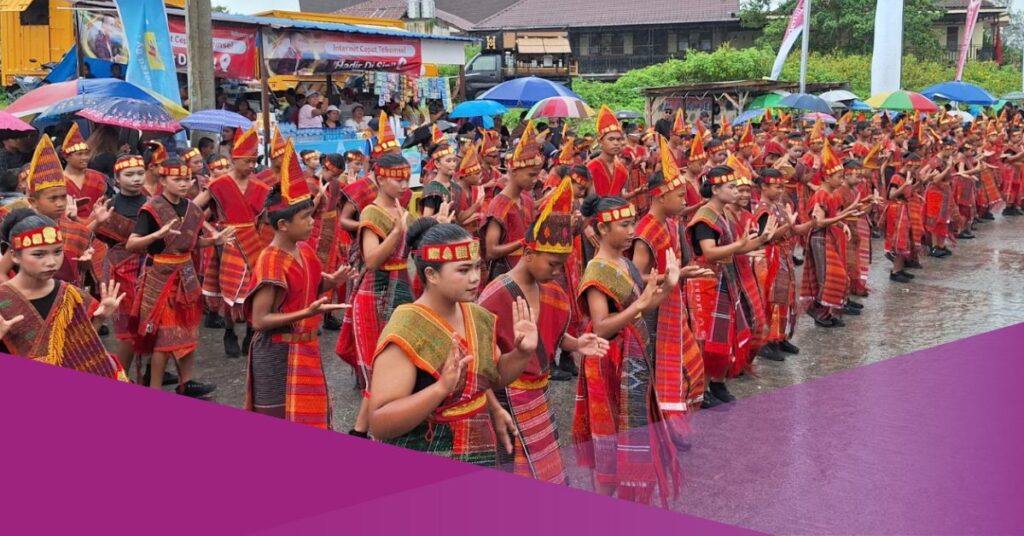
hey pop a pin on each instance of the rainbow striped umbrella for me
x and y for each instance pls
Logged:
(565, 107)
(902, 100)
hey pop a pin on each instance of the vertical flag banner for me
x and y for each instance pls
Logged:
(887, 56)
(796, 25)
(150, 59)
(965, 41)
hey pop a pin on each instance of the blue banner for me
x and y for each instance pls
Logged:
(150, 59)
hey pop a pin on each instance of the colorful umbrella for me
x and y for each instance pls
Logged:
(131, 113)
(902, 100)
(959, 92)
(565, 107)
(806, 102)
(478, 108)
(768, 100)
(65, 109)
(215, 121)
(814, 116)
(525, 92)
(41, 98)
(11, 126)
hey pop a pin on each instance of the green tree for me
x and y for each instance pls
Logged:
(846, 26)
(220, 9)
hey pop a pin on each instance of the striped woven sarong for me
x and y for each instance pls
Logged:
(619, 429)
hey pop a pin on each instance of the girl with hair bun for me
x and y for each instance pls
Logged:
(619, 426)
(437, 359)
(45, 319)
(382, 254)
(718, 309)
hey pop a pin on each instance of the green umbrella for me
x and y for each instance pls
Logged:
(768, 100)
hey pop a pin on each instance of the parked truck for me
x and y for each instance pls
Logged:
(514, 54)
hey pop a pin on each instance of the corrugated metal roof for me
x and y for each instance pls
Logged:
(328, 27)
(603, 13)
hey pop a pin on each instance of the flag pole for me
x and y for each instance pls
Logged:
(805, 43)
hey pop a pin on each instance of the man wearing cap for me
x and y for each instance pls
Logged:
(663, 126)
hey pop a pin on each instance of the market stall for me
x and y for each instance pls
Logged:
(384, 67)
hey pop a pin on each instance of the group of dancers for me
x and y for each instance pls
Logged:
(654, 268)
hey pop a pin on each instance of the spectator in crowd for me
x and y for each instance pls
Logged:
(311, 115)
(332, 119)
(359, 120)
(242, 105)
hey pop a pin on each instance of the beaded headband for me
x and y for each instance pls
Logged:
(397, 173)
(580, 179)
(669, 186)
(721, 179)
(442, 152)
(616, 214)
(190, 154)
(175, 171)
(313, 156)
(329, 166)
(44, 236)
(219, 164)
(129, 162)
(461, 251)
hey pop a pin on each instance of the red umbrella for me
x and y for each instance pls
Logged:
(11, 126)
(131, 113)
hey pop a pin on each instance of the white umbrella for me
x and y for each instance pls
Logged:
(838, 95)
(965, 117)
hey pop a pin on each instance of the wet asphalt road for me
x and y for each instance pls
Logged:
(976, 290)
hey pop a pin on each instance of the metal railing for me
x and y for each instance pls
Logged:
(983, 53)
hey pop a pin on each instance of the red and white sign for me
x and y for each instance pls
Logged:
(234, 49)
(292, 52)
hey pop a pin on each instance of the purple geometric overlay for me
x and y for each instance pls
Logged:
(926, 443)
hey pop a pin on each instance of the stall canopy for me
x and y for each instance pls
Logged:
(543, 45)
(292, 47)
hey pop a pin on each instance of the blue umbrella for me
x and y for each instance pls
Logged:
(749, 115)
(525, 92)
(215, 120)
(959, 92)
(860, 106)
(64, 110)
(477, 108)
(806, 102)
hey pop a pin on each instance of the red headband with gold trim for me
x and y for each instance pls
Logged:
(721, 179)
(329, 166)
(190, 154)
(582, 180)
(616, 214)
(402, 173)
(175, 171)
(219, 164)
(669, 186)
(44, 236)
(458, 252)
(129, 162)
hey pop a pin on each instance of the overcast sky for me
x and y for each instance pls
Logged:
(247, 7)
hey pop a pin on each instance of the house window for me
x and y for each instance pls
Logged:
(952, 37)
(36, 14)
(705, 41)
(584, 45)
(612, 44)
